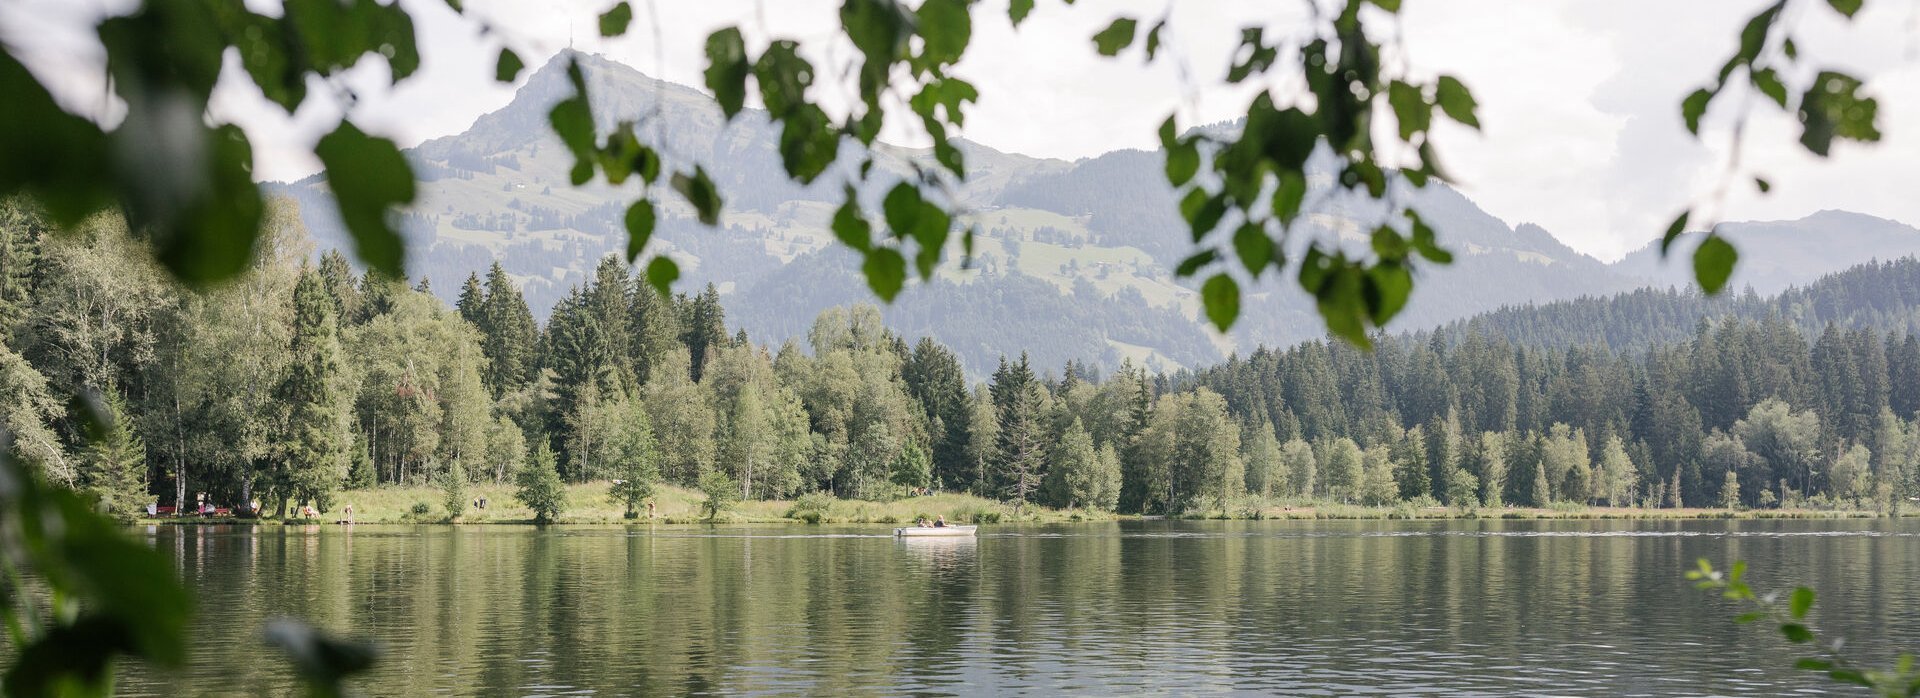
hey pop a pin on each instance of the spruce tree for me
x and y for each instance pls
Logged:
(114, 465)
(317, 440)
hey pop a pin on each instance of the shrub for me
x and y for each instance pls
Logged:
(421, 509)
(811, 507)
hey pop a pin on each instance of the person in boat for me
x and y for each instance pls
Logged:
(940, 521)
(921, 522)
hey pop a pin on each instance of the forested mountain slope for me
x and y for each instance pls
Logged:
(1073, 260)
(1878, 295)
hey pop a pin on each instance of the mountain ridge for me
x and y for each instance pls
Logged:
(1099, 235)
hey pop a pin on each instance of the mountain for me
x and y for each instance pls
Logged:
(1778, 254)
(1073, 259)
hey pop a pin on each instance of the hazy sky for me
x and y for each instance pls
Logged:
(1579, 99)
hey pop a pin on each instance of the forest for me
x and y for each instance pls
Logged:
(305, 377)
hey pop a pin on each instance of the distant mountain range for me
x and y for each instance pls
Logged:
(1074, 261)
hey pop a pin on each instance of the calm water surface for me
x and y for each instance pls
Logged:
(1301, 608)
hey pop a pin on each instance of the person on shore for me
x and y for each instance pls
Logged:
(940, 521)
(921, 522)
(348, 512)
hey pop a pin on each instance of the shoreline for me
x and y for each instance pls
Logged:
(589, 504)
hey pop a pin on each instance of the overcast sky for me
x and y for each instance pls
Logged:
(1579, 99)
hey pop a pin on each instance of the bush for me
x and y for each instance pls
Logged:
(421, 509)
(811, 508)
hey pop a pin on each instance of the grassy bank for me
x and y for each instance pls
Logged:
(590, 503)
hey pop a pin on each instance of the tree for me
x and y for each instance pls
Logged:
(1730, 492)
(1019, 454)
(1073, 477)
(1410, 464)
(635, 459)
(1380, 486)
(721, 491)
(1462, 487)
(27, 410)
(453, 489)
(1493, 469)
(314, 393)
(1617, 475)
(1296, 458)
(1850, 475)
(1340, 468)
(683, 422)
(539, 485)
(114, 467)
(1266, 473)
(1786, 442)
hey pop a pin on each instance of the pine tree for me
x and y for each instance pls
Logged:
(317, 440)
(114, 465)
(1019, 454)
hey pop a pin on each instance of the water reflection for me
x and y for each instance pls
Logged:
(1483, 607)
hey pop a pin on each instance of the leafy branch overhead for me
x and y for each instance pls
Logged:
(1243, 195)
(1828, 107)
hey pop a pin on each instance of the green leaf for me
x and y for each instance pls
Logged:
(1389, 284)
(1255, 249)
(509, 66)
(369, 178)
(1388, 5)
(850, 226)
(1795, 632)
(1753, 36)
(1762, 184)
(1750, 617)
(1183, 162)
(886, 272)
(1425, 242)
(1206, 215)
(1116, 36)
(1410, 108)
(945, 28)
(1834, 108)
(614, 22)
(1193, 263)
(640, 222)
(1846, 7)
(1800, 602)
(81, 651)
(1674, 230)
(1017, 10)
(1456, 101)
(1694, 107)
(573, 123)
(1259, 56)
(661, 273)
(1812, 664)
(1713, 263)
(1288, 195)
(727, 69)
(1767, 81)
(322, 662)
(699, 191)
(1153, 39)
(1389, 244)
(1221, 295)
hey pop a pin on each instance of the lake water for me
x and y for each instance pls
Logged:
(1148, 607)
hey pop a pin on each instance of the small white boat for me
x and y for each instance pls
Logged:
(934, 531)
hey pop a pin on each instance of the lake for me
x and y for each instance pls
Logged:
(1139, 607)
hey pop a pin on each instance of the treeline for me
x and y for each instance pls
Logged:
(1883, 295)
(305, 378)
(1745, 413)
